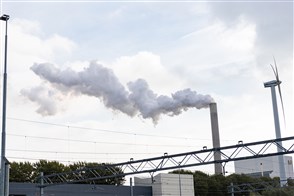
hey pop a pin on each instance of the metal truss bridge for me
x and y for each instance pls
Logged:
(204, 156)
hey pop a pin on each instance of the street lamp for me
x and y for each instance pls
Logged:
(4, 177)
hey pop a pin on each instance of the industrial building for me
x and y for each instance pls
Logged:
(266, 166)
(163, 184)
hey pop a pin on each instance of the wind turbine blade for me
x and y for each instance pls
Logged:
(275, 69)
(277, 73)
(281, 98)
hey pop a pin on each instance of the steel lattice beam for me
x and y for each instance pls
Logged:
(237, 152)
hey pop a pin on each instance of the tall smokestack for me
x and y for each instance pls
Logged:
(215, 137)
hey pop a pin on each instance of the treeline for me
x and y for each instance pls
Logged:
(29, 172)
(217, 185)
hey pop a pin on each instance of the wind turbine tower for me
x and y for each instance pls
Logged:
(272, 84)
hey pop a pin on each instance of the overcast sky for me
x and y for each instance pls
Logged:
(60, 53)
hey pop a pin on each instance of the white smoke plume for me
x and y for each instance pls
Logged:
(101, 82)
(151, 105)
(45, 98)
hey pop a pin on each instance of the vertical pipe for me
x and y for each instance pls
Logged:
(180, 184)
(42, 184)
(232, 189)
(278, 135)
(261, 169)
(131, 186)
(215, 137)
(7, 167)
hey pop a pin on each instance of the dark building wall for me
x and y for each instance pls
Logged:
(29, 189)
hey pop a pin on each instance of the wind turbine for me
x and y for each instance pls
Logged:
(272, 84)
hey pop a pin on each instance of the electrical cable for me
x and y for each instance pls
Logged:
(99, 142)
(109, 131)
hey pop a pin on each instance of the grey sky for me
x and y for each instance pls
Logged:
(222, 49)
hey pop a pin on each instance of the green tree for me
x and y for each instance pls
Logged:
(101, 170)
(201, 180)
(217, 185)
(28, 172)
(287, 191)
(21, 172)
(290, 182)
(181, 171)
(49, 167)
(240, 179)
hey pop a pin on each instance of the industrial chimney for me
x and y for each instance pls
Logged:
(215, 137)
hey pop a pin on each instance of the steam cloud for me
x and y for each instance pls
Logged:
(101, 82)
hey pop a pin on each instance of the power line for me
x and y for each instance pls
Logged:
(60, 152)
(92, 129)
(98, 142)
(72, 160)
(38, 159)
(108, 131)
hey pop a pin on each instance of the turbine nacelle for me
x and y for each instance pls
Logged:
(4, 17)
(272, 83)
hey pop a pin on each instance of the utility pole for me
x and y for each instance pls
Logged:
(4, 177)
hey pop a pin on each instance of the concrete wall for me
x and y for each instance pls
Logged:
(29, 189)
(265, 164)
(169, 184)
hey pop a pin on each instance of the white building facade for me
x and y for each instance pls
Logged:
(266, 166)
(169, 184)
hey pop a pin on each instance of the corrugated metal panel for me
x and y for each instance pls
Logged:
(29, 189)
